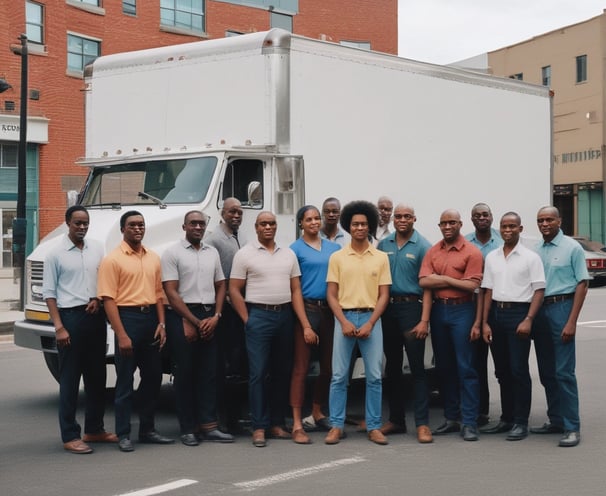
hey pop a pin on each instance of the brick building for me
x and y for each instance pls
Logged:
(65, 35)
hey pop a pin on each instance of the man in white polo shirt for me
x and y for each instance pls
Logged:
(269, 275)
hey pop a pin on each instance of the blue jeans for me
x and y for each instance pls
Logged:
(85, 357)
(372, 354)
(556, 361)
(194, 366)
(455, 355)
(510, 354)
(397, 321)
(146, 356)
(269, 342)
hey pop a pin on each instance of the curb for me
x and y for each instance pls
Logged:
(6, 328)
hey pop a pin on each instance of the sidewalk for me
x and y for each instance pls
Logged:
(9, 301)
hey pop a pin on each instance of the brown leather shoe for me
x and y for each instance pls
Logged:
(258, 438)
(334, 436)
(100, 437)
(277, 432)
(78, 447)
(391, 428)
(424, 434)
(377, 437)
(300, 437)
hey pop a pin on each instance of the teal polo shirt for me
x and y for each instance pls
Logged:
(564, 263)
(405, 263)
(493, 243)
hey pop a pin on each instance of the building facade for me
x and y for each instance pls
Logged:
(570, 60)
(66, 35)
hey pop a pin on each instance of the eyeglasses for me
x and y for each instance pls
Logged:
(403, 216)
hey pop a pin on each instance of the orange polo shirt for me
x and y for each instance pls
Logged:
(462, 261)
(130, 278)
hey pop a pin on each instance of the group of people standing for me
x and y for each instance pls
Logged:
(227, 307)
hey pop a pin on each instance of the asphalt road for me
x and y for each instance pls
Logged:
(32, 461)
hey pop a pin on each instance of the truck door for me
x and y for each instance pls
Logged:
(288, 190)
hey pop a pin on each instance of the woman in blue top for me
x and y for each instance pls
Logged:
(313, 253)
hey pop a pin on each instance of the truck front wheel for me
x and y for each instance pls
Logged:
(52, 362)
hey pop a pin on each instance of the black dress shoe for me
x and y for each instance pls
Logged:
(469, 433)
(189, 440)
(153, 437)
(482, 420)
(570, 439)
(497, 428)
(217, 436)
(447, 427)
(547, 428)
(517, 432)
(125, 445)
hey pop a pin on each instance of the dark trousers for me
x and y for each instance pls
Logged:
(140, 328)
(194, 367)
(323, 323)
(450, 330)
(481, 365)
(84, 357)
(510, 354)
(397, 321)
(556, 361)
(269, 342)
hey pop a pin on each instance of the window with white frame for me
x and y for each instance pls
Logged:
(183, 14)
(34, 22)
(81, 52)
(90, 2)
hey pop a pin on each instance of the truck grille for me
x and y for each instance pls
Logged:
(35, 272)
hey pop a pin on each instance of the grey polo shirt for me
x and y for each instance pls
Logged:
(196, 270)
(226, 244)
(70, 274)
(267, 274)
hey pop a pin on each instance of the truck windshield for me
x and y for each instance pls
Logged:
(170, 181)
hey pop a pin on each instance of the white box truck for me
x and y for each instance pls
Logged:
(278, 121)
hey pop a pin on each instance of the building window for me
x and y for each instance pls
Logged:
(91, 2)
(546, 76)
(581, 68)
(34, 22)
(129, 7)
(283, 21)
(184, 14)
(8, 155)
(519, 76)
(81, 52)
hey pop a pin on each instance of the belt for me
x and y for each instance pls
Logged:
(550, 300)
(510, 304)
(454, 301)
(405, 299)
(315, 303)
(358, 310)
(79, 308)
(137, 308)
(200, 306)
(271, 308)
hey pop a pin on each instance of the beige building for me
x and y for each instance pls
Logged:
(570, 60)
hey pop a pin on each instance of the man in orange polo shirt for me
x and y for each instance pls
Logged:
(130, 284)
(452, 269)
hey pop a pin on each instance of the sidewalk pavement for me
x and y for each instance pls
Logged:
(9, 301)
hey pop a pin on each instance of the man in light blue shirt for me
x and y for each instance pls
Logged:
(70, 289)
(554, 332)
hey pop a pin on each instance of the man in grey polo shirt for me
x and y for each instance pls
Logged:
(269, 275)
(195, 287)
(70, 290)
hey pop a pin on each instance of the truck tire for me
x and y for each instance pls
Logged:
(52, 362)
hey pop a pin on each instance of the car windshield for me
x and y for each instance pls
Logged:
(143, 183)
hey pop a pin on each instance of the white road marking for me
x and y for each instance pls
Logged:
(295, 474)
(170, 486)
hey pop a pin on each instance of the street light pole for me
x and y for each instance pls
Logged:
(20, 223)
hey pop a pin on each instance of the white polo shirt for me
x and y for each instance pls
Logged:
(514, 278)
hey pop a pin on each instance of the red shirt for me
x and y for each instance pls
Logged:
(462, 261)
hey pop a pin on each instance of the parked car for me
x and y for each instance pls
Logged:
(595, 257)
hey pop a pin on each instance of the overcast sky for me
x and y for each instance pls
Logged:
(444, 31)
